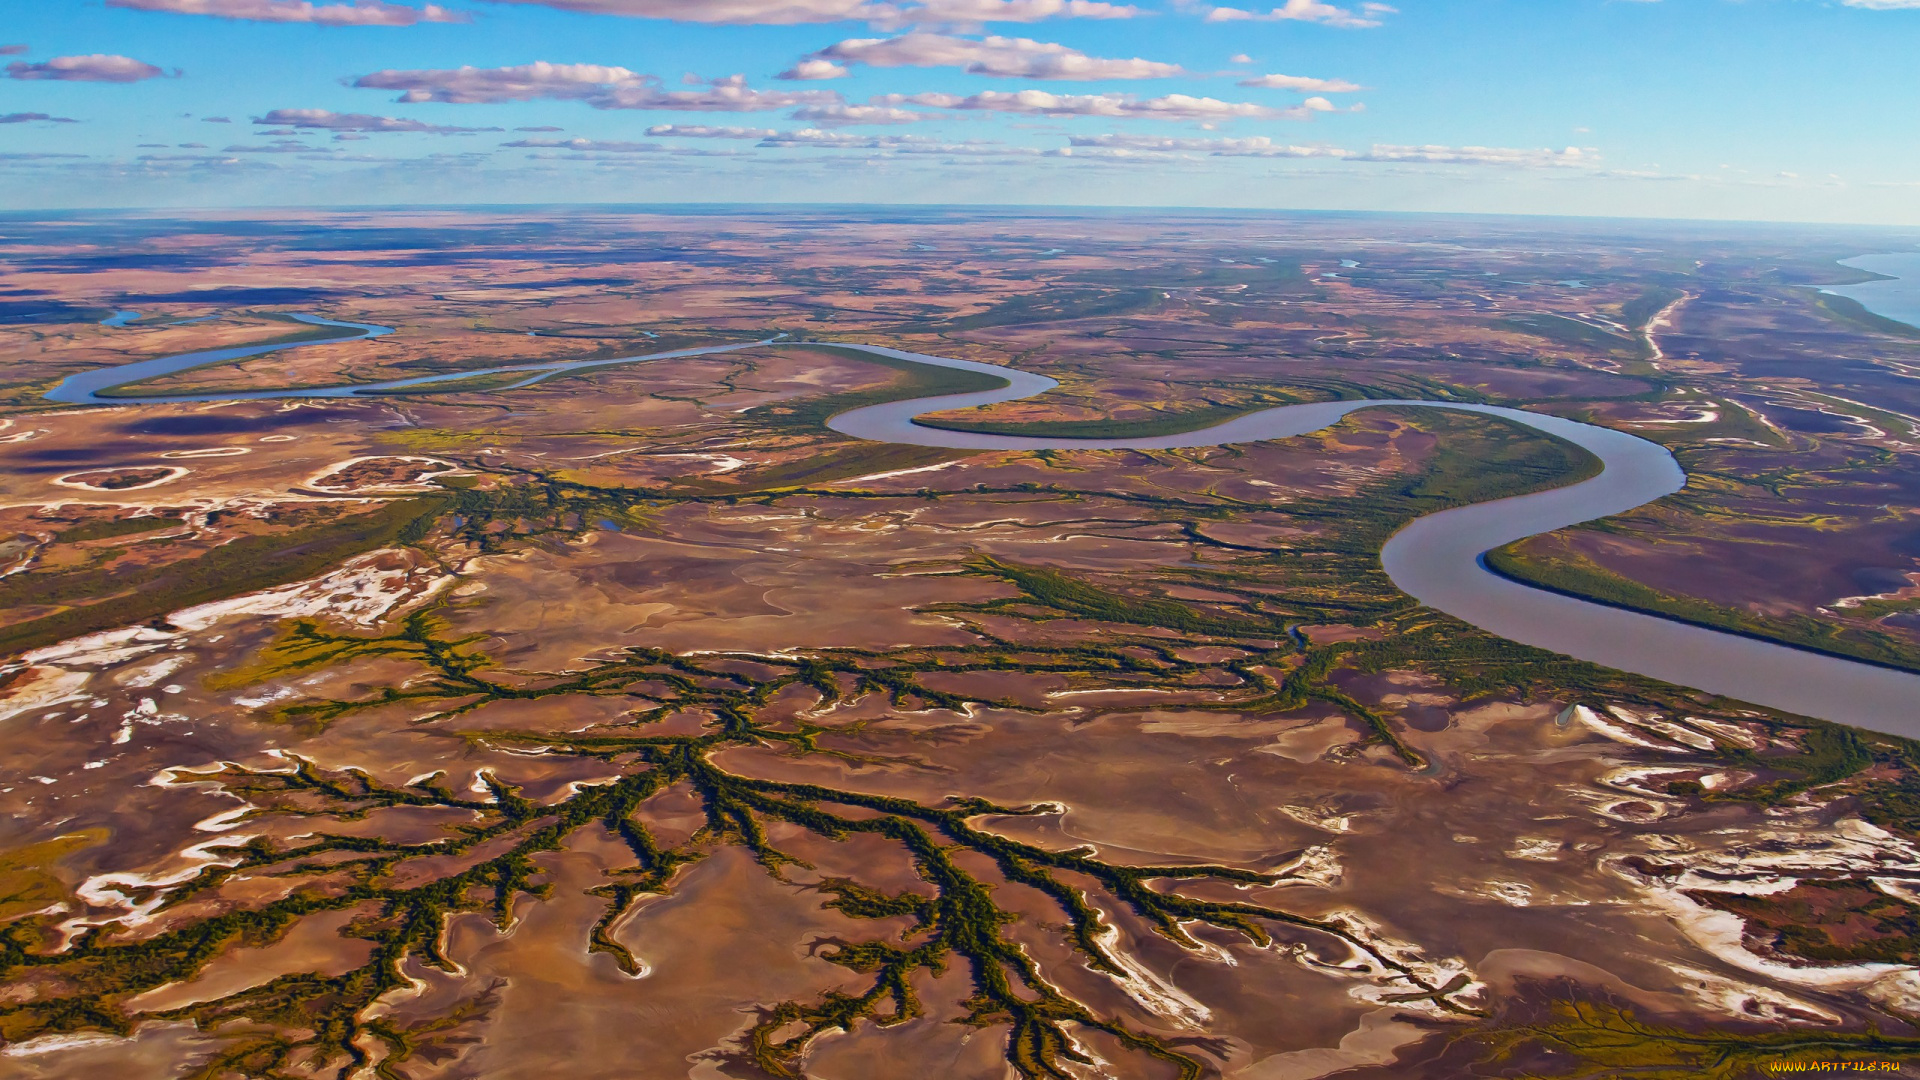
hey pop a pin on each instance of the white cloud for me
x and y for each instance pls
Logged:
(524, 82)
(1239, 58)
(210, 159)
(1103, 153)
(1883, 5)
(1255, 146)
(841, 140)
(702, 131)
(1042, 103)
(638, 157)
(358, 13)
(32, 117)
(1315, 11)
(282, 147)
(98, 67)
(1302, 83)
(883, 12)
(814, 138)
(1008, 57)
(609, 149)
(985, 11)
(842, 115)
(1571, 157)
(332, 121)
(599, 86)
(603, 146)
(978, 150)
(1261, 146)
(731, 94)
(814, 69)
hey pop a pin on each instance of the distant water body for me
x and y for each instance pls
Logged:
(1897, 299)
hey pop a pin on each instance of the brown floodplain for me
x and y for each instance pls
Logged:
(663, 725)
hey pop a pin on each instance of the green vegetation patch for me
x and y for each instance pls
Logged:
(245, 565)
(493, 380)
(1578, 576)
(1852, 314)
(1829, 754)
(1565, 331)
(1597, 1039)
(1735, 421)
(104, 528)
(1054, 589)
(1844, 921)
(1479, 459)
(1639, 311)
(1892, 423)
(840, 461)
(1054, 304)
(1172, 421)
(914, 380)
(1165, 423)
(27, 881)
(1258, 274)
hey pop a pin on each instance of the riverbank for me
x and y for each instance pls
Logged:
(1587, 581)
(1436, 559)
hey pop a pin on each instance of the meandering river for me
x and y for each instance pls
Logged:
(86, 387)
(1436, 559)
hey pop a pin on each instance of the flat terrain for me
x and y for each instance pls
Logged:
(635, 711)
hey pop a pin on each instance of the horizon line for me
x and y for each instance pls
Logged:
(1029, 209)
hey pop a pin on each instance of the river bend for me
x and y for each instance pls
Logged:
(1435, 559)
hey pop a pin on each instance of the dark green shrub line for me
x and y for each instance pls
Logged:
(1850, 313)
(1639, 311)
(1564, 331)
(1586, 581)
(1053, 305)
(105, 528)
(1607, 1039)
(915, 380)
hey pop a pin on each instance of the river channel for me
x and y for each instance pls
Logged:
(1436, 559)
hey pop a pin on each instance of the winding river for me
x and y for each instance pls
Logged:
(1436, 559)
(86, 387)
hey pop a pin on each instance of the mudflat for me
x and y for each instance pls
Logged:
(640, 710)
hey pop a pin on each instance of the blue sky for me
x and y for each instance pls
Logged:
(1792, 110)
